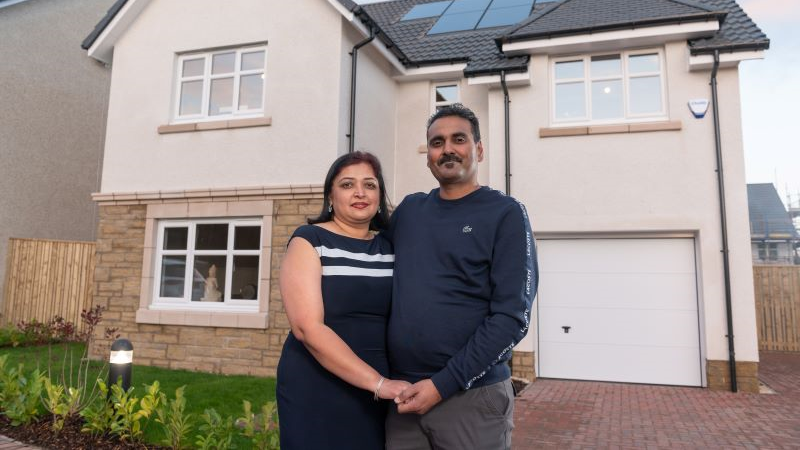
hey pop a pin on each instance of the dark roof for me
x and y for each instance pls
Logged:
(571, 17)
(737, 33)
(768, 216)
(409, 40)
(103, 24)
(475, 47)
(412, 45)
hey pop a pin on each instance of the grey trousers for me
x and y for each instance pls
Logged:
(480, 418)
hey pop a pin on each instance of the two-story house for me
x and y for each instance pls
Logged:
(54, 102)
(224, 117)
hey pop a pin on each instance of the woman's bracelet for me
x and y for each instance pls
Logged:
(378, 389)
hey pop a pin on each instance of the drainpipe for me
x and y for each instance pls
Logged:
(506, 101)
(724, 220)
(354, 53)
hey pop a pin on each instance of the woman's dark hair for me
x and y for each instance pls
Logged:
(381, 219)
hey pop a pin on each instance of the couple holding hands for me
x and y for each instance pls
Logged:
(402, 326)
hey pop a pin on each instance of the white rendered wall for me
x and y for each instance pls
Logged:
(302, 97)
(375, 104)
(652, 181)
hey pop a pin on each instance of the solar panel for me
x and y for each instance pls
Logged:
(506, 12)
(462, 15)
(427, 10)
(456, 22)
(463, 6)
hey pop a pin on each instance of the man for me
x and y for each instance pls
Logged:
(464, 278)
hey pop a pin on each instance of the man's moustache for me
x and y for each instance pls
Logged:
(448, 158)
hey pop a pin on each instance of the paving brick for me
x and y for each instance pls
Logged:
(579, 414)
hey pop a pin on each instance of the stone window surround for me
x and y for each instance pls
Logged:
(246, 201)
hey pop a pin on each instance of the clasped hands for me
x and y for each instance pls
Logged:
(417, 398)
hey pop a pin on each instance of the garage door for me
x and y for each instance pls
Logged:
(619, 310)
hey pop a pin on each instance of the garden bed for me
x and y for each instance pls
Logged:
(70, 437)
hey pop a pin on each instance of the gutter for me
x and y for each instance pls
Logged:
(353, 71)
(506, 102)
(724, 224)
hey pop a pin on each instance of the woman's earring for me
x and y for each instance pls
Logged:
(330, 208)
(379, 209)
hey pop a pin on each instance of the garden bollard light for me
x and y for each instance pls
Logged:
(121, 363)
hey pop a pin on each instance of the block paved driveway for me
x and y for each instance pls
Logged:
(583, 415)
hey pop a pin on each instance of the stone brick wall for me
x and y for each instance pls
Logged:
(522, 365)
(118, 275)
(719, 379)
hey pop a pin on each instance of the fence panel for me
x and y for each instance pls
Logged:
(45, 278)
(777, 291)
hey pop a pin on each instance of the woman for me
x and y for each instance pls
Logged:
(336, 284)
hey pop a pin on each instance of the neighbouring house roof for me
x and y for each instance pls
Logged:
(480, 50)
(110, 14)
(768, 217)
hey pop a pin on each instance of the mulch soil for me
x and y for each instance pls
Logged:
(69, 438)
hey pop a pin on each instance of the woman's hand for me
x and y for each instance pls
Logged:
(390, 389)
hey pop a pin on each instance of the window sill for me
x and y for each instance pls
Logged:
(254, 320)
(674, 125)
(215, 125)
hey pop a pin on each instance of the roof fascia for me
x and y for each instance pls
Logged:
(350, 16)
(615, 39)
(706, 61)
(438, 72)
(103, 47)
(512, 79)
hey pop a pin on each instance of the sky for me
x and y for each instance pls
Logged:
(770, 87)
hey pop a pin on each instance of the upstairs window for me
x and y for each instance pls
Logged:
(221, 84)
(444, 94)
(608, 88)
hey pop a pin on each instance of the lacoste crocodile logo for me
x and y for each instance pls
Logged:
(467, 229)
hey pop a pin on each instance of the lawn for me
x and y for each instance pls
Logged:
(203, 390)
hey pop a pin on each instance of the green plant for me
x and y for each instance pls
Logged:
(12, 337)
(175, 422)
(217, 433)
(262, 429)
(60, 404)
(129, 411)
(81, 394)
(99, 415)
(20, 394)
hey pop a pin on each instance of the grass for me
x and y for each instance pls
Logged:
(224, 393)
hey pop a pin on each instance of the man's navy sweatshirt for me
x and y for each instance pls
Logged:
(465, 275)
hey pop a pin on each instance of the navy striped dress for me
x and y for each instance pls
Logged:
(316, 409)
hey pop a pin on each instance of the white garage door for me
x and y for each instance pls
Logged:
(619, 310)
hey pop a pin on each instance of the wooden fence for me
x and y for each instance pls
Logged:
(45, 278)
(777, 290)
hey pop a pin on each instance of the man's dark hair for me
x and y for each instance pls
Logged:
(458, 110)
(381, 219)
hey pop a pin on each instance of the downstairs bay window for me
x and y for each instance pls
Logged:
(608, 88)
(209, 264)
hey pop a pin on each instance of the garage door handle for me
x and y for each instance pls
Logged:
(566, 329)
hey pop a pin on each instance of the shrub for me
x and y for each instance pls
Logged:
(262, 429)
(99, 415)
(60, 404)
(19, 394)
(176, 424)
(12, 337)
(216, 433)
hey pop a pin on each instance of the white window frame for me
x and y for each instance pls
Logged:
(186, 303)
(207, 77)
(626, 77)
(435, 104)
